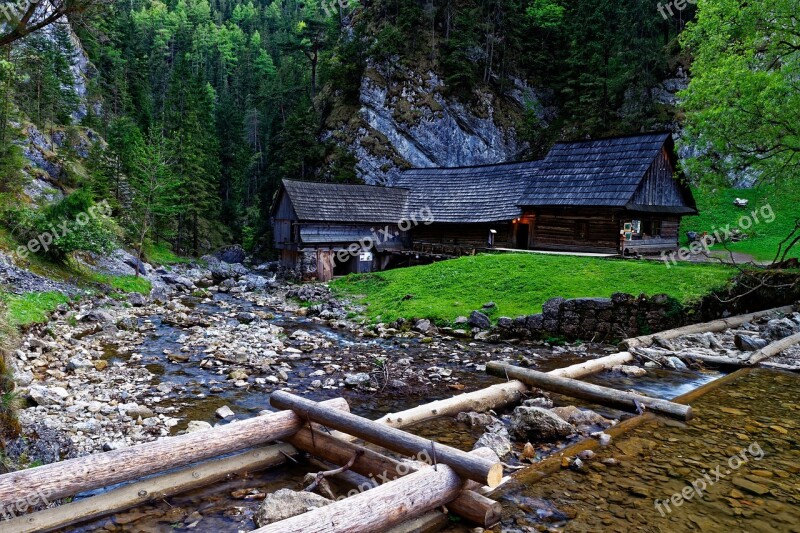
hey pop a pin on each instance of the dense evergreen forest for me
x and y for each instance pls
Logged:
(205, 105)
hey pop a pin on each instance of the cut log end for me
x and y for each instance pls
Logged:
(495, 476)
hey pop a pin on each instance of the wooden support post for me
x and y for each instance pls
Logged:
(381, 469)
(713, 326)
(466, 465)
(495, 396)
(67, 478)
(588, 391)
(380, 508)
(151, 489)
(773, 349)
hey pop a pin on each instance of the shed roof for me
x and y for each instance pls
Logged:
(487, 193)
(603, 172)
(339, 202)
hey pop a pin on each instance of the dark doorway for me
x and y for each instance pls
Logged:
(523, 232)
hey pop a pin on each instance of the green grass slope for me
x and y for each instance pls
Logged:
(781, 203)
(519, 284)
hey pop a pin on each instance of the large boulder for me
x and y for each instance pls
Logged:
(42, 395)
(287, 503)
(221, 270)
(781, 327)
(231, 254)
(537, 424)
(479, 320)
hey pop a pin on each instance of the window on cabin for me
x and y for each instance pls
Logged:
(652, 228)
(581, 229)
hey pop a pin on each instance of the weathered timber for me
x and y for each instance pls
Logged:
(155, 488)
(469, 466)
(720, 360)
(588, 391)
(67, 478)
(380, 468)
(713, 326)
(773, 349)
(495, 396)
(380, 508)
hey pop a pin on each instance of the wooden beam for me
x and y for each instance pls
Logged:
(380, 508)
(773, 349)
(494, 396)
(67, 478)
(588, 391)
(469, 466)
(155, 488)
(381, 469)
(713, 326)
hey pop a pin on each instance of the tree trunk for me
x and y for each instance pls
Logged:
(773, 349)
(587, 391)
(67, 478)
(469, 466)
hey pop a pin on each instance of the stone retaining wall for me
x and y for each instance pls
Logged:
(597, 319)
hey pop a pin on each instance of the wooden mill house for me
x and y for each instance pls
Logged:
(620, 195)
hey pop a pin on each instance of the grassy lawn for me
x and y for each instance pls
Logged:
(32, 307)
(717, 211)
(519, 284)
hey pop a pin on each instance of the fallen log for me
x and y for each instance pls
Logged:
(588, 391)
(720, 360)
(469, 466)
(495, 396)
(155, 488)
(773, 349)
(67, 478)
(380, 508)
(713, 326)
(379, 468)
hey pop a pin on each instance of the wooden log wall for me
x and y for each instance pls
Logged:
(577, 230)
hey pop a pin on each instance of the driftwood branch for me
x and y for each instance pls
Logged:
(328, 473)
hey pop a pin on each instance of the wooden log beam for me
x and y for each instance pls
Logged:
(713, 326)
(151, 489)
(382, 469)
(720, 360)
(773, 349)
(466, 465)
(495, 396)
(380, 508)
(588, 391)
(67, 478)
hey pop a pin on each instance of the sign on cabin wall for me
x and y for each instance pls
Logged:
(365, 256)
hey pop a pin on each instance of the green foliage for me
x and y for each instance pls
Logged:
(9, 425)
(520, 284)
(742, 102)
(125, 284)
(32, 307)
(162, 254)
(74, 223)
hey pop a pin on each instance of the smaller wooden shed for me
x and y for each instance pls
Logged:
(330, 229)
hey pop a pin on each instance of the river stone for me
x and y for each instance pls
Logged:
(137, 299)
(479, 320)
(755, 488)
(197, 425)
(97, 315)
(225, 412)
(423, 326)
(287, 503)
(747, 343)
(495, 438)
(580, 417)
(231, 254)
(128, 323)
(628, 370)
(79, 364)
(246, 318)
(134, 410)
(473, 419)
(780, 328)
(354, 380)
(535, 423)
(42, 395)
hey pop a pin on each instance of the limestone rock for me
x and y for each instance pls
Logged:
(536, 424)
(287, 503)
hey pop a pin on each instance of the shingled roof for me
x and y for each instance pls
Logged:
(487, 193)
(334, 202)
(604, 172)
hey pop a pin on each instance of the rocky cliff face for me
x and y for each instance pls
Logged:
(406, 120)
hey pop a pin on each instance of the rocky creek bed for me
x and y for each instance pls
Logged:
(209, 346)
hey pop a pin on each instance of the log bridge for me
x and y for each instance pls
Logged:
(409, 498)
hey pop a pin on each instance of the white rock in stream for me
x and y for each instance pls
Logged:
(225, 412)
(197, 425)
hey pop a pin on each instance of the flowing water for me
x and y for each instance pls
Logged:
(213, 509)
